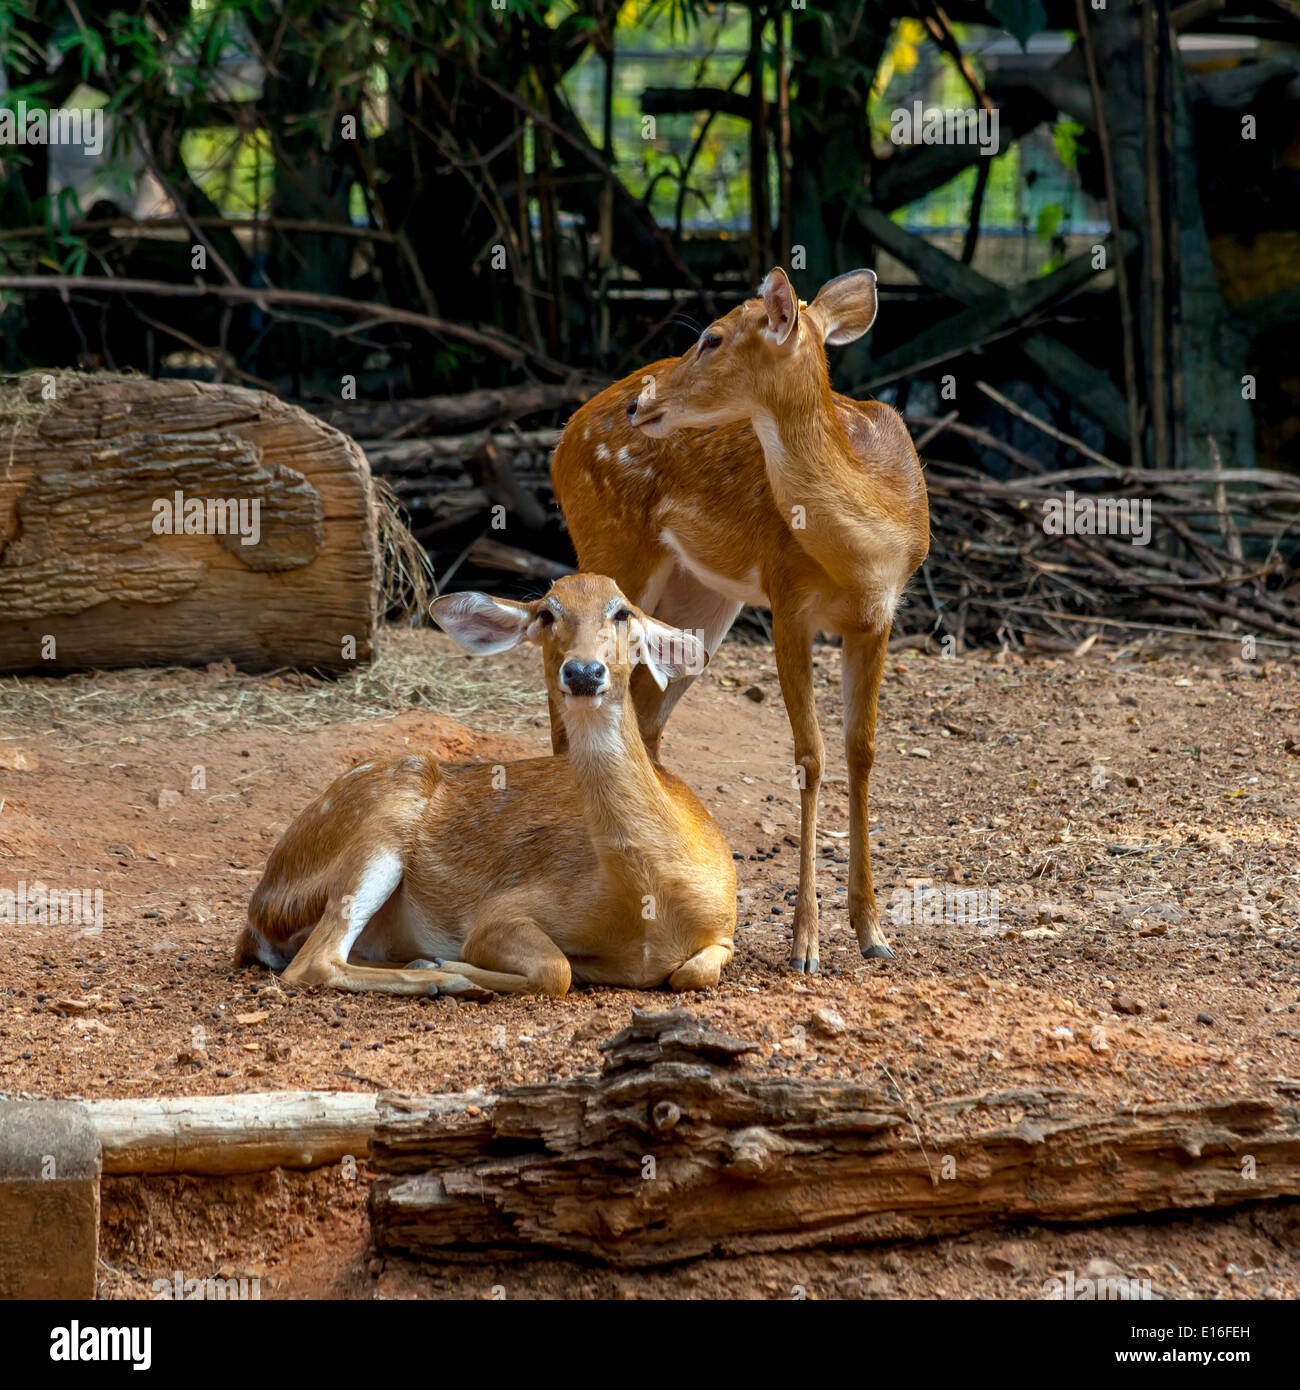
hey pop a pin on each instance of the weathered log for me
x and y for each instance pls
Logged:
(153, 522)
(674, 1152)
(220, 1135)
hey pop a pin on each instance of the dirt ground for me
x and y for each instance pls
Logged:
(1126, 821)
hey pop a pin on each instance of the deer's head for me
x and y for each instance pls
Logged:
(762, 355)
(591, 638)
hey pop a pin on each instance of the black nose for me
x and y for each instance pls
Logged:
(631, 407)
(583, 678)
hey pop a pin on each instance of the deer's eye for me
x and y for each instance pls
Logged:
(624, 615)
(710, 340)
(545, 617)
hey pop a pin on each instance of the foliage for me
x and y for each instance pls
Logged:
(1022, 19)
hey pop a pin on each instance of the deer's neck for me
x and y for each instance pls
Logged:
(815, 480)
(803, 445)
(625, 805)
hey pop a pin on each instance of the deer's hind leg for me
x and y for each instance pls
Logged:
(703, 969)
(323, 957)
(864, 662)
(512, 955)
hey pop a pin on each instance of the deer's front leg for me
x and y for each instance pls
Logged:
(795, 669)
(559, 736)
(864, 663)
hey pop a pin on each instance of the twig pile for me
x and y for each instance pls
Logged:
(1220, 551)
(1219, 558)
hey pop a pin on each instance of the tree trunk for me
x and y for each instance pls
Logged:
(1213, 351)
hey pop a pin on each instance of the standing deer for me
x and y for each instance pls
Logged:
(791, 497)
(599, 866)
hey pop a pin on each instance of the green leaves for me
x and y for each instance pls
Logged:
(1070, 138)
(1049, 219)
(1022, 19)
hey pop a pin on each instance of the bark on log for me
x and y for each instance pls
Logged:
(89, 578)
(673, 1153)
(426, 456)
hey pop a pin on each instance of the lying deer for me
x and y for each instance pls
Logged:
(734, 474)
(599, 867)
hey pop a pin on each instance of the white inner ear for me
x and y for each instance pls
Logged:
(837, 335)
(666, 652)
(784, 326)
(481, 623)
(780, 330)
(850, 322)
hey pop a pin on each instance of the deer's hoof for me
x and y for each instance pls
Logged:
(458, 987)
(422, 964)
(804, 965)
(878, 951)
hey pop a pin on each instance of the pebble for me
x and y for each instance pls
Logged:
(828, 1023)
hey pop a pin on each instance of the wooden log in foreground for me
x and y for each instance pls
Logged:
(172, 522)
(674, 1153)
(220, 1135)
(216, 1136)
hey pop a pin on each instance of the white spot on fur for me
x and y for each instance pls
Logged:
(602, 452)
(624, 454)
(378, 883)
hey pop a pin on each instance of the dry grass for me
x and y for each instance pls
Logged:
(408, 581)
(415, 669)
(22, 396)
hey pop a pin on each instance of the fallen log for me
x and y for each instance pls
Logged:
(421, 455)
(172, 522)
(675, 1152)
(511, 560)
(220, 1135)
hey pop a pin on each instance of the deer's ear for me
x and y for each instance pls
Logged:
(845, 308)
(668, 653)
(481, 623)
(781, 304)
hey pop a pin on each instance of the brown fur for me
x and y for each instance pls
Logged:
(824, 521)
(597, 867)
